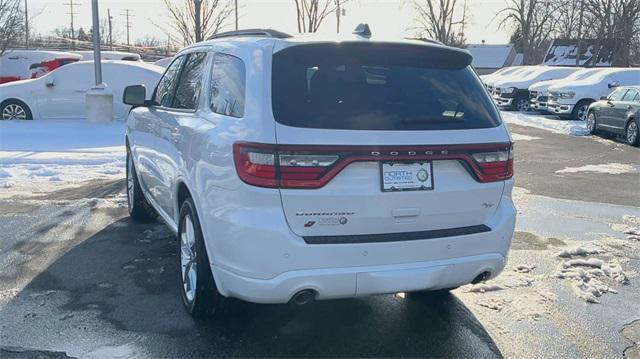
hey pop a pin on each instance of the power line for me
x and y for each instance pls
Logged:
(71, 4)
(127, 15)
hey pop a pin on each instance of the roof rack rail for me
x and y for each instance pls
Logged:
(251, 32)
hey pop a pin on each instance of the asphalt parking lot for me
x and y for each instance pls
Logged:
(79, 278)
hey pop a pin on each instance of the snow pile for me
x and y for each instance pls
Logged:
(630, 227)
(610, 168)
(57, 151)
(553, 124)
(581, 250)
(633, 234)
(519, 137)
(589, 277)
(506, 281)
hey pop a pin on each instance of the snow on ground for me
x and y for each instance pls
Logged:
(519, 137)
(57, 152)
(610, 168)
(549, 123)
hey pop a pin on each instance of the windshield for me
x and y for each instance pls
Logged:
(333, 86)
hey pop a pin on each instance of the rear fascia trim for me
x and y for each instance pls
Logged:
(397, 237)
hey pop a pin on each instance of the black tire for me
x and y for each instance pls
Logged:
(17, 108)
(521, 104)
(581, 107)
(592, 123)
(139, 208)
(201, 300)
(632, 126)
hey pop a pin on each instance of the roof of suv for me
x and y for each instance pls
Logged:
(282, 40)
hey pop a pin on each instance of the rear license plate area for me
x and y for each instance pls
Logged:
(406, 176)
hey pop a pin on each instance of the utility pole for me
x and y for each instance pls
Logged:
(579, 45)
(97, 62)
(338, 16)
(127, 15)
(198, 7)
(26, 25)
(236, 1)
(71, 4)
(110, 18)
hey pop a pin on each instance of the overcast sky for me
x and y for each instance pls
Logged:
(387, 17)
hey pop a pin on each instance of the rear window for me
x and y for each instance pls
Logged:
(369, 86)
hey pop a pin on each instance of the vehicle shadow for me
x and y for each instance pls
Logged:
(128, 272)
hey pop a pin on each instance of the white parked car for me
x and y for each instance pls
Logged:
(511, 72)
(513, 93)
(61, 93)
(294, 168)
(16, 64)
(539, 91)
(571, 100)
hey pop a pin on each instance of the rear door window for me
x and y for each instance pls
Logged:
(378, 87)
(630, 95)
(227, 86)
(617, 95)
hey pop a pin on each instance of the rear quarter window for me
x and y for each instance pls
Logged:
(372, 86)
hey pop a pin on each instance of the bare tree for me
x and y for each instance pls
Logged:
(11, 24)
(194, 21)
(311, 13)
(440, 20)
(149, 41)
(568, 18)
(536, 21)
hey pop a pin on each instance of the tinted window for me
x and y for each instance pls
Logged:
(630, 95)
(190, 80)
(166, 86)
(617, 95)
(227, 86)
(378, 87)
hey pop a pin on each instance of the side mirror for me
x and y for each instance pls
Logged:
(134, 95)
(613, 84)
(604, 98)
(50, 81)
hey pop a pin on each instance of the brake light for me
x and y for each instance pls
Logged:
(293, 166)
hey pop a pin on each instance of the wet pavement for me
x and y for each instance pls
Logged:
(78, 278)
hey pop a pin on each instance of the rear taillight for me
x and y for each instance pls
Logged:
(293, 166)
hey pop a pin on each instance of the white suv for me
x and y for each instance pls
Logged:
(295, 168)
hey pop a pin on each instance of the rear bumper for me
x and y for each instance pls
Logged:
(350, 270)
(336, 283)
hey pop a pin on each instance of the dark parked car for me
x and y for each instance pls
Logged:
(618, 113)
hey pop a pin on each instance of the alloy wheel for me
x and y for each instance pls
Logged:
(582, 111)
(523, 105)
(14, 112)
(188, 255)
(591, 122)
(632, 132)
(130, 183)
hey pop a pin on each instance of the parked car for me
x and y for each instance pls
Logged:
(618, 114)
(539, 91)
(61, 93)
(44, 67)
(109, 55)
(571, 100)
(513, 93)
(515, 71)
(16, 64)
(301, 168)
(164, 62)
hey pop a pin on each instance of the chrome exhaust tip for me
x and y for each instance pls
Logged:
(304, 296)
(481, 277)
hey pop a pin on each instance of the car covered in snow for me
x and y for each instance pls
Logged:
(60, 94)
(571, 100)
(515, 71)
(109, 55)
(294, 168)
(539, 91)
(20, 64)
(513, 92)
(618, 114)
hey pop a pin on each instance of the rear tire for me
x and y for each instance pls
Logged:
(199, 294)
(139, 208)
(522, 104)
(632, 132)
